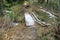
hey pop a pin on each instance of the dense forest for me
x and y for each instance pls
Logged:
(29, 19)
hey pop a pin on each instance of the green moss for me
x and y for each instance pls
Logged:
(15, 8)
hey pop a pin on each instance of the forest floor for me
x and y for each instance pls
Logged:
(21, 32)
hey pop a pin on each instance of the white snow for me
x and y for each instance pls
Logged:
(50, 14)
(29, 20)
(15, 24)
(8, 11)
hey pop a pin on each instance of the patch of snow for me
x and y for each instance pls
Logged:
(35, 17)
(48, 24)
(29, 20)
(50, 14)
(39, 20)
(15, 24)
(8, 11)
(44, 22)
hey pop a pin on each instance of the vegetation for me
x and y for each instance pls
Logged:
(12, 11)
